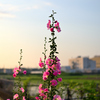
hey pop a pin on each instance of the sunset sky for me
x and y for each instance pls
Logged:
(23, 26)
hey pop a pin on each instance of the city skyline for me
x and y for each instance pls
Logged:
(23, 26)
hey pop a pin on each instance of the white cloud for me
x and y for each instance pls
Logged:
(8, 7)
(47, 3)
(33, 7)
(42, 5)
(3, 14)
(36, 7)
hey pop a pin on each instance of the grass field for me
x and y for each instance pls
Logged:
(75, 82)
(37, 79)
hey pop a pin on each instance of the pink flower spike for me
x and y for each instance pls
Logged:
(24, 72)
(59, 79)
(14, 75)
(15, 96)
(22, 90)
(24, 98)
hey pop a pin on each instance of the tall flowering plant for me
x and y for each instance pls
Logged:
(51, 66)
(18, 92)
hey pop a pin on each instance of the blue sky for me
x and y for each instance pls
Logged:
(23, 26)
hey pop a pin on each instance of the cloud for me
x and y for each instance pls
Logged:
(9, 7)
(47, 3)
(42, 5)
(4, 14)
(36, 7)
(33, 7)
(13, 8)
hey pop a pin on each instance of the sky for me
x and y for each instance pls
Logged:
(23, 25)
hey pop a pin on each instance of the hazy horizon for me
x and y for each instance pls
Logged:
(23, 26)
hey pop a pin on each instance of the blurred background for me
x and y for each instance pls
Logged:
(23, 25)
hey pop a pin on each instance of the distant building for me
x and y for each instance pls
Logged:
(8, 71)
(36, 72)
(82, 63)
(1, 70)
(97, 59)
(65, 68)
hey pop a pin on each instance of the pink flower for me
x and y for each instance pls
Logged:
(54, 67)
(46, 90)
(55, 73)
(57, 27)
(59, 79)
(24, 72)
(15, 96)
(59, 30)
(49, 62)
(14, 75)
(57, 24)
(42, 94)
(45, 75)
(41, 64)
(59, 72)
(41, 90)
(48, 24)
(53, 82)
(37, 98)
(56, 97)
(57, 58)
(7, 99)
(49, 67)
(24, 98)
(58, 65)
(22, 90)
(45, 98)
(40, 86)
(51, 29)
(16, 71)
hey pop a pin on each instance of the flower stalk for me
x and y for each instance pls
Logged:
(50, 77)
